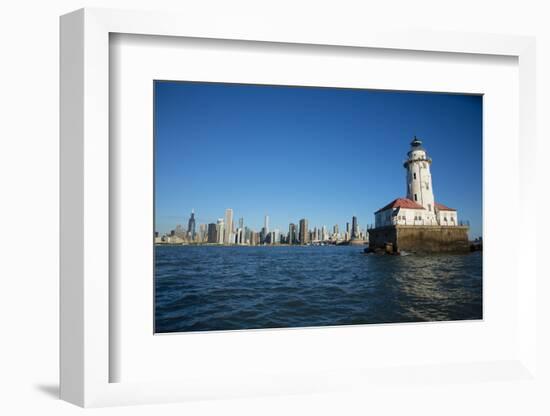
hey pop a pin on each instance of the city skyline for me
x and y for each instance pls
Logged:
(185, 219)
(319, 153)
(225, 231)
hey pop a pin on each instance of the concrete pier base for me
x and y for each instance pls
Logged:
(420, 239)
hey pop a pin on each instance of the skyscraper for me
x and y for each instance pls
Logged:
(276, 236)
(191, 226)
(220, 227)
(179, 231)
(203, 233)
(264, 232)
(354, 230)
(239, 236)
(304, 234)
(228, 226)
(212, 233)
(292, 237)
(324, 233)
(254, 238)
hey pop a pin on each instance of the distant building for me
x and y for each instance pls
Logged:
(254, 238)
(264, 232)
(191, 226)
(203, 233)
(221, 232)
(228, 226)
(354, 228)
(212, 233)
(303, 233)
(292, 235)
(335, 233)
(248, 236)
(179, 232)
(239, 236)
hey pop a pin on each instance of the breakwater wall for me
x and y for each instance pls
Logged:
(419, 239)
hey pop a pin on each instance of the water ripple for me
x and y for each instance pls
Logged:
(224, 288)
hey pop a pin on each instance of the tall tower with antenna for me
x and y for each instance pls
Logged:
(191, 225)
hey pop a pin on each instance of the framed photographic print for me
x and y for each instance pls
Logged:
(297, 168)
(273, 212)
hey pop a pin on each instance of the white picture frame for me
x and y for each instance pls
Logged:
(85, 212)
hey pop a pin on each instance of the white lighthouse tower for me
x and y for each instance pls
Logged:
(417, 223)
(419, 207)
(419, 179)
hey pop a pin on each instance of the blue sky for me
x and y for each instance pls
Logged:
(324, 154)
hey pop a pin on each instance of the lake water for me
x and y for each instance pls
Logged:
(205, 288)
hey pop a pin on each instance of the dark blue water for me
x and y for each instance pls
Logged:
(205, 288)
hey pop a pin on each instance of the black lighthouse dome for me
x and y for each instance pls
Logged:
(416, 144)
(421, 156)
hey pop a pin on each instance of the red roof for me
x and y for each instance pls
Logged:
(442, 207)
(401, 203)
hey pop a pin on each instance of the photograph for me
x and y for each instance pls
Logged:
(287, 206)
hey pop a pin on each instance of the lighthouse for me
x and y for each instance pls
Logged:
(417, 222)
(419, 179)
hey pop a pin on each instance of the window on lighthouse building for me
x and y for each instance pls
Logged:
(415, 198)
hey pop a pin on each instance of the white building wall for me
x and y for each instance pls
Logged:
(407, 216)
(404, 216)
(449, 218)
